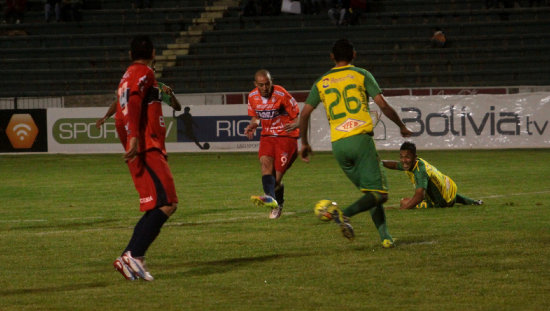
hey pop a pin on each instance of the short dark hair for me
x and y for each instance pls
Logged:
(343, 50)
(408, 146)
(141, 48)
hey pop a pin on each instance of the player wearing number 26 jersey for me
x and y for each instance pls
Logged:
(345, 92)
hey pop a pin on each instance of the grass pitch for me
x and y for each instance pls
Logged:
(65, 218)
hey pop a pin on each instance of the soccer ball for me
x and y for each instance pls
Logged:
(323, 209)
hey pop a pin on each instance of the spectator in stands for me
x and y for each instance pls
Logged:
(338, 13)
(14, 11)
(438, 39)
(52, 6)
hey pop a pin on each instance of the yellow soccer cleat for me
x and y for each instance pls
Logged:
(264, 200)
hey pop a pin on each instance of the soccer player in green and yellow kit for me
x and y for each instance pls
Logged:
(433, 188)
(344, 91)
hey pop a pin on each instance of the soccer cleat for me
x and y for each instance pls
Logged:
(387, 244)
(422, 204)
(276, 212)
(137, 265)
(264, 200)
(478, 202)
(343, 222)
(123, 268)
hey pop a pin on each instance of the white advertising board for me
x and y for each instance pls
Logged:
(439, 122)
(470, 122)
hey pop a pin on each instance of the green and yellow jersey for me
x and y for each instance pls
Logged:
(440, 188)
(345, 91)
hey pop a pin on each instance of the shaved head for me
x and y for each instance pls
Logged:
(262, 80)
(262, 73)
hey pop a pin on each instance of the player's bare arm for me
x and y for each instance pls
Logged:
(174, 102)
(410, 203)
(110, 112)
(250, 129)
(390, 164)
(389, 112)
(305, 150)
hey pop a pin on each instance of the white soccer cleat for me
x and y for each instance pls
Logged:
(123, 268)
(137, 265)
(276, 212)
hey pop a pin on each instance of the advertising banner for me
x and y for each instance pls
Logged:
(438, 122)
(23, 130)
(194, 129)
(469, 122)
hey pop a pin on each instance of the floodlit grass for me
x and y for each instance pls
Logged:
(65, 218)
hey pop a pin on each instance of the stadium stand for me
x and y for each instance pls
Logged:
(207, 46)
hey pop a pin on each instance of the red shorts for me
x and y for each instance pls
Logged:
(153, 180)
(283, 150)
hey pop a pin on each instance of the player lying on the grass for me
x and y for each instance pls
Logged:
(433, 188)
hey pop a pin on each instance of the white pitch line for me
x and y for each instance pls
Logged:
(44, 220)
(514, 194)
(22, 220)
(211, 221)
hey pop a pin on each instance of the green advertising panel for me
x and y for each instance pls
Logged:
(84, 131)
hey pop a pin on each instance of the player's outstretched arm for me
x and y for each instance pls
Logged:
(111, 111)
(174, 102)
(389, 112)
(390, 164)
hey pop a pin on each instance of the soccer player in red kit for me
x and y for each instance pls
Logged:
(272, 107)
(139, 109)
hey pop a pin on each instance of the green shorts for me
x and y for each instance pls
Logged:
(359, 159)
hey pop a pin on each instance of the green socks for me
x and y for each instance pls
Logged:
(379, 218)
(369, 202)
(366, 202)
(464, 200)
